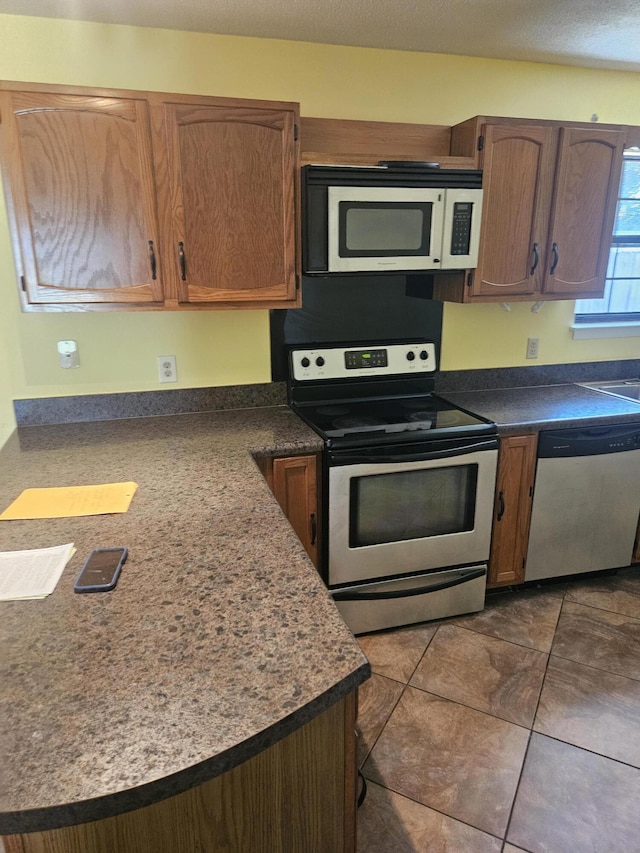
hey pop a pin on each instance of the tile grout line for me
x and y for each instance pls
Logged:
(437, 811)
(395, 704)
(590, 751)
(595, 668)
(531, 730)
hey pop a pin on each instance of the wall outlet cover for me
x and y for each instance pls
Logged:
(167, 370)
(532, 347)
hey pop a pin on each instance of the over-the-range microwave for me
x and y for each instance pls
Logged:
(392, 218)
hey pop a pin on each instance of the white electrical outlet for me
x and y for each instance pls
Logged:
(167, 371)
(68, 355)
(532, 347)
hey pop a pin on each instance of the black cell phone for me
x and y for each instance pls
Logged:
(101, 570)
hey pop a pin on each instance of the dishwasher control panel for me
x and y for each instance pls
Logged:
(589, 441)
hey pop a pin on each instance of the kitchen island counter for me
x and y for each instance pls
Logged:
(219, 640)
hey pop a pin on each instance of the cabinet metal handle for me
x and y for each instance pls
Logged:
(152, 260)
(536, 259)
(183, 262)
(314, 528)
(501, 506)
(556, 258)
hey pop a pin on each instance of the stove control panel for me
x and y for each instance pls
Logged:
(353, 362)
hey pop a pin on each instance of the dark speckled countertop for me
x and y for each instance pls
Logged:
(219, 639)
(522, 410)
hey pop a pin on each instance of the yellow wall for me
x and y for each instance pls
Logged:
(118, 350)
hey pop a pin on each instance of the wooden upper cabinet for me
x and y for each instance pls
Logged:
(147, 200)
(586, 189)
(517, 165)
(79, 181)
(549, 203)
(230, 209)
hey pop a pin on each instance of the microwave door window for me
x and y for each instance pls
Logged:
(378, 229)
(395, 507)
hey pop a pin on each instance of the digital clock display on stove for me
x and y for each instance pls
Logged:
(356, 359)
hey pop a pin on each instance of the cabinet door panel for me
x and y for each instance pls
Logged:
(517, 172)
(589, 164)
(232, 173)
(512, 514)
(295, 487)
(81, 181)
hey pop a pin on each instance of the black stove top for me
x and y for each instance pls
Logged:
(383, 394)
(421, 418)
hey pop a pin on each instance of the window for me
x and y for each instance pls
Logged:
(621, 300)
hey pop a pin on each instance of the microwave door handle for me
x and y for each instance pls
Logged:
(375, 458)
(359, 595)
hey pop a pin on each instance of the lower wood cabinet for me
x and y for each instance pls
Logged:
(512, 509)
(298, 795)
(294, 482)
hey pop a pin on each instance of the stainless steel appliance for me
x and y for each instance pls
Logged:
(586, 501)
(408, 483)
(390, 218)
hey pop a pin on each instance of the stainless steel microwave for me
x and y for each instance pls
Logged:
(390, 219)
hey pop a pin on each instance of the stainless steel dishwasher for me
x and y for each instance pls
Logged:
(586, 501)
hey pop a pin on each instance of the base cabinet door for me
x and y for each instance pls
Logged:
(294, 482)
(295, 485)
(512, 509)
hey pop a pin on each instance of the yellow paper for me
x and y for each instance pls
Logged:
(71, 501)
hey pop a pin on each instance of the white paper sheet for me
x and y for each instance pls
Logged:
(32, 574)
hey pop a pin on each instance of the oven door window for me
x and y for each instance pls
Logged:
(412, 505)
(371, 229)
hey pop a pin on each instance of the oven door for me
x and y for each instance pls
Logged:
(398, 510)
(380, 229)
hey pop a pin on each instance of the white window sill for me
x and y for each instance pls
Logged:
(584, 331)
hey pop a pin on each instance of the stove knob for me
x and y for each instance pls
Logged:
(319, 361)
(424, 355)
(305, 362)
(411, 355)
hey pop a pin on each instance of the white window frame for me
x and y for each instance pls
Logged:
(618, 326)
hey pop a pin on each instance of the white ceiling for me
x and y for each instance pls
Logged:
(591, 33)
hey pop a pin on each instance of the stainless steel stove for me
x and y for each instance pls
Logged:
(408, 482)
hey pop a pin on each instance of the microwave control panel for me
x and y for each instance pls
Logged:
(461, 228)
(353, 362)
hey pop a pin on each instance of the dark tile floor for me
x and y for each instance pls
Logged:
(515, 729)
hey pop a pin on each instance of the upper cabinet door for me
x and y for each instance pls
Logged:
(231, 199)
(517, 163)
(81, 197)
(587, 178)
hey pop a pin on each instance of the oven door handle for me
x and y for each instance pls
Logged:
(355, 595)
(443, 453)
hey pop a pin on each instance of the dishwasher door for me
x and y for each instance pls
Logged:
(586, 501)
